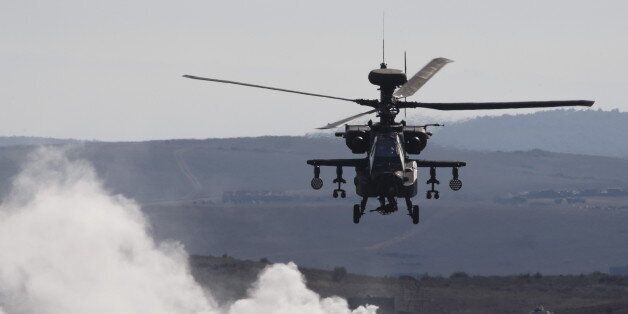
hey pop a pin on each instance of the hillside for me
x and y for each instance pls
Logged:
(184, 169)
(523, 211)
(228, 279)
(590, 132)
(32, 140)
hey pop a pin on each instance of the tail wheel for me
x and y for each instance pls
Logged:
(415, 214)
(357, 213)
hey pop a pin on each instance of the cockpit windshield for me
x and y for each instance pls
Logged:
(386, 146)
(386, 153)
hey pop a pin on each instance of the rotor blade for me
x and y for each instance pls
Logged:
(420, 78)
(340, 122)
(494, 105)
(266, 87)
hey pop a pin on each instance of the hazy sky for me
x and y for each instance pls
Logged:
(111, 70)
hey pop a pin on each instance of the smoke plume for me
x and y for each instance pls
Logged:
(69, 246)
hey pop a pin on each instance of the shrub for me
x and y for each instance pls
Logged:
(338, 274)
(458, 274)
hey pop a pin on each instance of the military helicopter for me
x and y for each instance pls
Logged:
(388, 172)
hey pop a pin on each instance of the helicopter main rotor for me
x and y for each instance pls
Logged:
(394, 85)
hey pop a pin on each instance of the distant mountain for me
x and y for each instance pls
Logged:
(590, 132)
(489, 227)
(183, 169)
(32, 140)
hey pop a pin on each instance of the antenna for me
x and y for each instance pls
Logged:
(405, 71)
(405, 64)
(383, 37)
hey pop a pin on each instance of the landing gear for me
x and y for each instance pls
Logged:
(413, 211)
(415, 214)
(386, 208)
(358, 210)
(357, 213)
(388, 205)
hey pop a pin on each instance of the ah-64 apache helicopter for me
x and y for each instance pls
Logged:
(388, 172)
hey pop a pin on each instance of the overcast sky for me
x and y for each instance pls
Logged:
(111, 70)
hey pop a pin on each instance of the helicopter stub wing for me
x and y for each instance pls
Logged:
(420, 78)
(358, 162)
(437, 163)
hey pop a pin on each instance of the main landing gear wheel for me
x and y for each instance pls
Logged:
(415, 214)
(357, 213)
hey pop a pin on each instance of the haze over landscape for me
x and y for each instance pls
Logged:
(112, 70)
(520, 210)
(185, 187)
(125, 188)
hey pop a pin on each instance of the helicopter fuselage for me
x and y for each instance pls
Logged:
(388, 173)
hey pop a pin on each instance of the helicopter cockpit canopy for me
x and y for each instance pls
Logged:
(387, 153)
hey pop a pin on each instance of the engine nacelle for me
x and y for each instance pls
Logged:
(415, 139)
(357, 138)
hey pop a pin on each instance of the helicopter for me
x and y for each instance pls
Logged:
(388, 171)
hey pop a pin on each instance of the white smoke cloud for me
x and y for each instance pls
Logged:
(281, 289)
(68, 246)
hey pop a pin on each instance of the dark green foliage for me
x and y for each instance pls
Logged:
(338, 274)
(458, 275)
